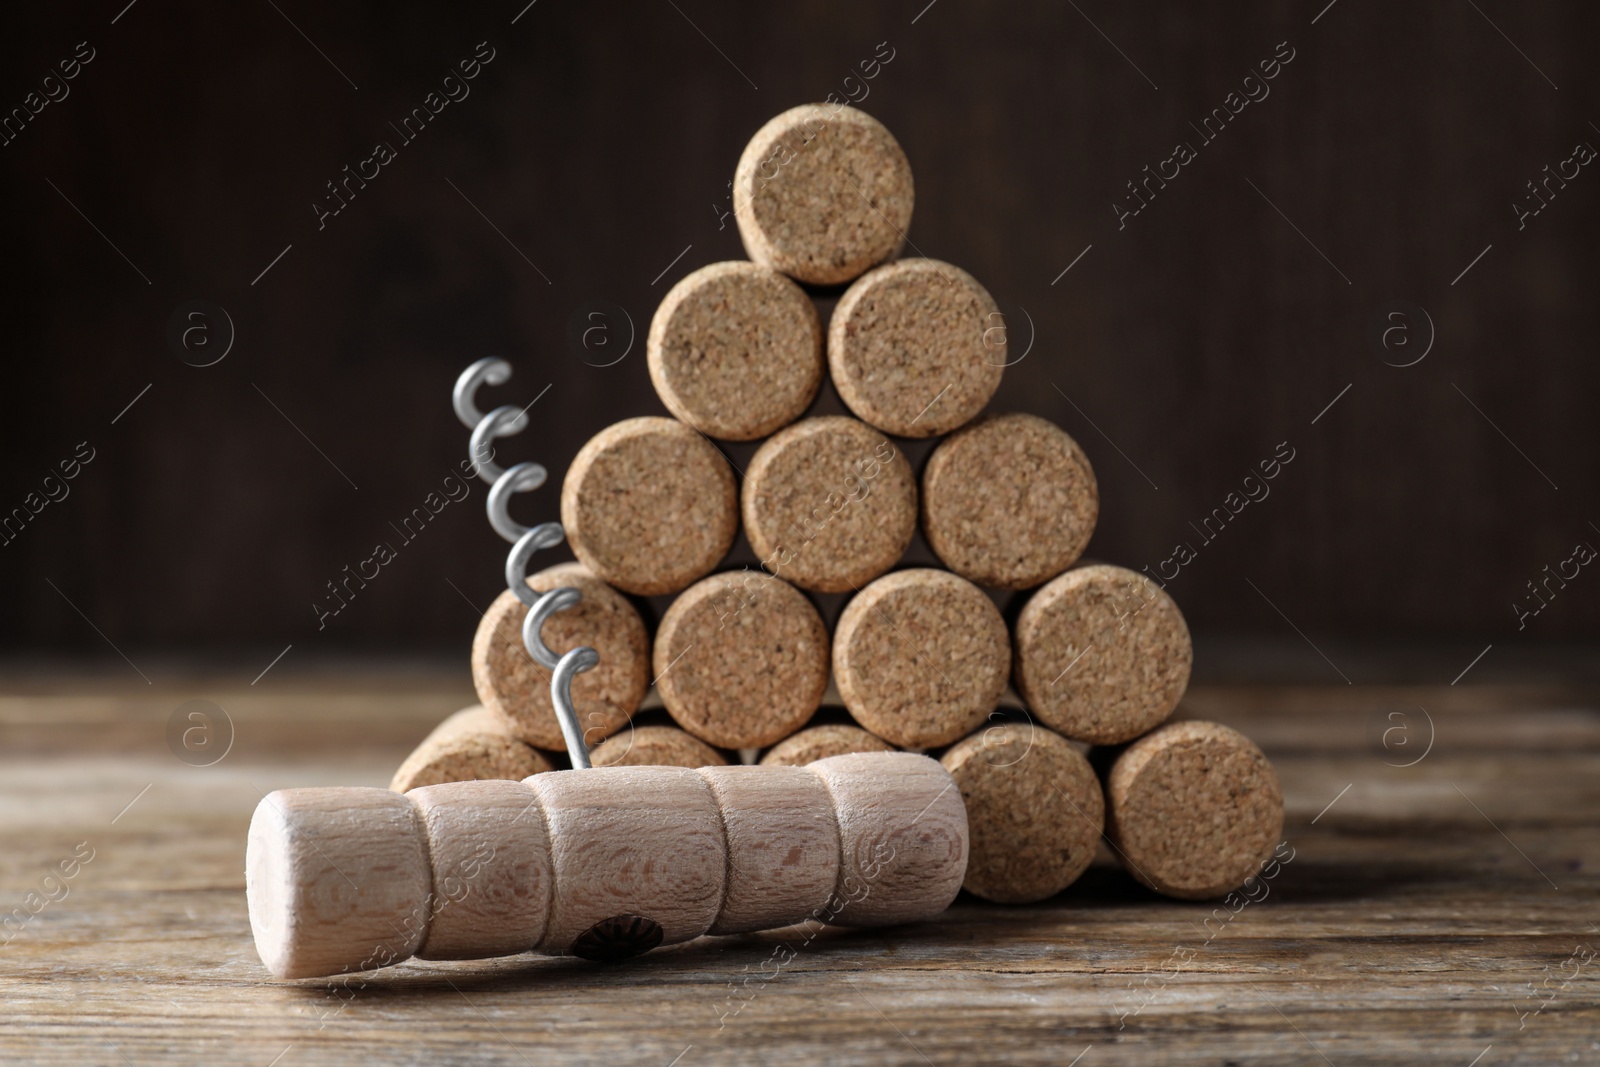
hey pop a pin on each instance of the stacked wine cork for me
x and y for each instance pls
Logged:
(920, 657)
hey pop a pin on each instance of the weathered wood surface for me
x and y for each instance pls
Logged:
(1421, 915)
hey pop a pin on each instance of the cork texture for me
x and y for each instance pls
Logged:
(470, 746)
(655, 746)
(921, 657)
(1195, 809)
(916, 347)
(1102, 654)
(741, 659)
(829, 504)
(821, 193)
(511, 685)
(1009, 502)
(649, 505)
(1034, 809)
(820, 742)
(735, 350)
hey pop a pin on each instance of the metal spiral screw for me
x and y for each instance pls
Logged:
(507, 421)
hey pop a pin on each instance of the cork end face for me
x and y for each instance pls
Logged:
(649, 506)
(1034, 808)
(517, 690)
(742, 659)
(921, 657)
(336, 880)
(822, 192)
(655, 746)
(469, 758)
(917, 347)
(735, 350)
(1009, 502)
(829, 504)
(820, 742)
(1196, 809)
(1103, 654)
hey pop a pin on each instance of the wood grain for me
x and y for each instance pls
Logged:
(783, 845)
(640, 850)
(902, 837)
(1406, 928)
(492, 881)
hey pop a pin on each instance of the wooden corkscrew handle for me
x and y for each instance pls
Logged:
(602, 863)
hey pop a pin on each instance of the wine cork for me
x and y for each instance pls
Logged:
(1103, 654)
(735, 350)
(741, 659)
(820, 742)
(1034, 811)
(921, 657)
(822, 192)
(829, 504)
(511, 685)
(655, 746)
(1009, 502)
(474, 744)
(1194, 808)
(649, 505)
(916, 347)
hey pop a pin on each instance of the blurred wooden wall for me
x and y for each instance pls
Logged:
(1184, 345)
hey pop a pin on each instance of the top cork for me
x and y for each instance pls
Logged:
(649, 505)
(916, 347)
(1009, 502)
(735, 350)
(821, 193)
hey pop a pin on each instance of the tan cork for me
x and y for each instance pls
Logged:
(735, 350)
(921, 657)
(1009, 502)
(510, 684)
(821, 193)
(1034, 809)
(649, 505)
(655, 746)
(1103, 654)
(741, 659)
(471, 745)
(829, 504)
(820, 742)
(1195, 809)
(916, 347)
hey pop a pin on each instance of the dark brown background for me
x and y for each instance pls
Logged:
(599, 141)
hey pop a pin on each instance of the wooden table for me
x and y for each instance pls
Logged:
(1442, 912)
